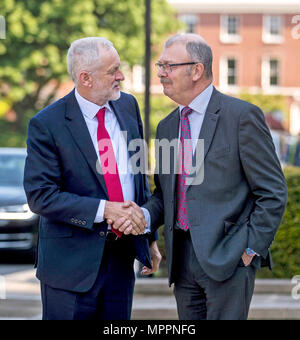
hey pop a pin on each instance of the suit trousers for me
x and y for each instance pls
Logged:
(199, 297)
(110, 298)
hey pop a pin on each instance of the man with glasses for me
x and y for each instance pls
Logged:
(217, 232)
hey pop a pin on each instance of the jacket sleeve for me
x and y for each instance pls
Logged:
(155, 204)
(153, 236)
(265, 178)
(43, 182)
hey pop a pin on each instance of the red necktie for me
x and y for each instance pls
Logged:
(186, 154)
(108, 163)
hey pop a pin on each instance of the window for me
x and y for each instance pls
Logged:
(231, 71)
(228, 73)
(272, 29)
(191, 21)
(230, 29)
(270, 72)
(274, 72)
(232, 25)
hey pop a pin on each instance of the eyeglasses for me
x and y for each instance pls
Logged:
(168, 67)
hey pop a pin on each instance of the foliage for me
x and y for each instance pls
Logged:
(160, 105)
(286, 246)
(33, 55)
(268, 103)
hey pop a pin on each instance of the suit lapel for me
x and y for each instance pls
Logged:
(173, 134)
(80, 133)
(210, 121)
(129, 124)
(209, 125)
(126, 122)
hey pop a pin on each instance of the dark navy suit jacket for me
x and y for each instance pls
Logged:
(63, 186)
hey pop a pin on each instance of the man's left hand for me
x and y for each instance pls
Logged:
(247, 259)
(155, 260)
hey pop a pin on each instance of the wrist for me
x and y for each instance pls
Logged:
(107, 209)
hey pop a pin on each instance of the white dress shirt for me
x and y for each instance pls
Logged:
(199, 106)
(89, 111)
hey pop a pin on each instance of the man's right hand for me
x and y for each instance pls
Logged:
(127, 217)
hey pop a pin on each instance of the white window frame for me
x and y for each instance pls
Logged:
(295, 118)
(266, 73)
(224, 85)
(225, 36)
(138, 76)
(267, 36)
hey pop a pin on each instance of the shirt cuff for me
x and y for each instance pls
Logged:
(100, 212)
(249, 251)
(148, 220)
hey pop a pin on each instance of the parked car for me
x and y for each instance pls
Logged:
(18, 224)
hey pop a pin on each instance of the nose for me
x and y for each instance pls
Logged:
(161, 72)
(120, 76)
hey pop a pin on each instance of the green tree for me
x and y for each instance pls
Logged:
(268, 103)
(33, 55)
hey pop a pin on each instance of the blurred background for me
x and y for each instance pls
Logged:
(256, 47)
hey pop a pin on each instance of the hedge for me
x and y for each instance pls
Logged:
(286, 247)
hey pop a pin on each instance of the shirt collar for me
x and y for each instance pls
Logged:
(89, 109)
(200, 103)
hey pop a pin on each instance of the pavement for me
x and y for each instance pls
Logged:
(153, 299)
(272, 300)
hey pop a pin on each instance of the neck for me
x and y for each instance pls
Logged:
(88, 96)
(199, 88)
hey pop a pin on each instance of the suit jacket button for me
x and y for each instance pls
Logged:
(102, 233)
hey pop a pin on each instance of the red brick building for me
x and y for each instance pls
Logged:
(256, 46)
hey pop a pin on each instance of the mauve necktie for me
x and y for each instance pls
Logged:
(108, 163)
(186, 156)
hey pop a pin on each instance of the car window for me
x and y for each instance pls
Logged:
(11, 170)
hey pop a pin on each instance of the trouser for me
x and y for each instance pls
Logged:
(110, 298)
(199, 297)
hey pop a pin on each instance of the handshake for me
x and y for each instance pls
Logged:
(127, 217)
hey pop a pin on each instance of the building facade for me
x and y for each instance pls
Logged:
(256, 46)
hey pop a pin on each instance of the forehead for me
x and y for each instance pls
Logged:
(109, 58)
(174, 53)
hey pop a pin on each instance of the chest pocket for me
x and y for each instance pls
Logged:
(221, 152)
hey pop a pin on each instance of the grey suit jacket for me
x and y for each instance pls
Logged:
(243, 195)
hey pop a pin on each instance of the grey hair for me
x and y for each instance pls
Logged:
(84, 53)
(197, 48)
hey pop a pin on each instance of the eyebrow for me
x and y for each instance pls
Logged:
(168, 62)
(165, 61)
(114, 68)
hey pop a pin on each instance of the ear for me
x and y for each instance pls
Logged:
(198, 71)
(85, 79)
